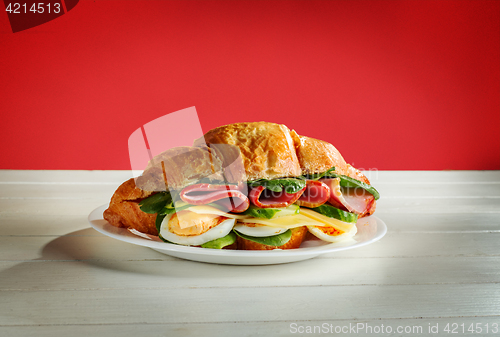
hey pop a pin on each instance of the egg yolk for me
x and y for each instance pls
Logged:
(192, 223)
(330, 231)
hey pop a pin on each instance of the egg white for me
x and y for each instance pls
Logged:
(258, 230)
(332, 238)
(219, 231)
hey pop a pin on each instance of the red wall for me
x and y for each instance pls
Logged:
(392, 84)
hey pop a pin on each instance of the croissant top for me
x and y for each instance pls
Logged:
(244, 151)
(270, 150)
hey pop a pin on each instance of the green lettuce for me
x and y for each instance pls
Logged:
(333, 212)
(290, 185)
(221, 242)
(155, 203)
(275, 240)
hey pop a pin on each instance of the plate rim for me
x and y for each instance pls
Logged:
(96, 214)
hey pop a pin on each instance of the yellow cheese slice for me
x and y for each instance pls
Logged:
(306, 217)
(340, 225)
(204, 209)
(300, 220)
(290, 221)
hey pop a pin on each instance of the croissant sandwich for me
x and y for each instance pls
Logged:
(249, 186)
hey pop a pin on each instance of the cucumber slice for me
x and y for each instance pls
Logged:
(333, 212)
(180, 203)
(271, 213)
(221, 242)
(275, 240)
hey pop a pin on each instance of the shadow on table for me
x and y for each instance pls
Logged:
(80, 253)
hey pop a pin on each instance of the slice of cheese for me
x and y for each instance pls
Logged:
(289, 222)
(300, 220)
(343, 226)
(306, 217)
(204, 209)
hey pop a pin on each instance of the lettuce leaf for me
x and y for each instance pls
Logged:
(221, 242)
(155, 203)
(158, 221)
(171, 209)
(291, 185)
(333, 212)
(275, 240)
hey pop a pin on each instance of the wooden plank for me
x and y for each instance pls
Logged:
(449, 191)
(440, 222)
(199, 305)
(74, 177)
(402, 245)
(415, 327)
(27, 192)
(59, 207)
(43, 224)
(107, 274)
(86, 245)
(439, 205)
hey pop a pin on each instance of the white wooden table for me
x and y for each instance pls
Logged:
(439, 264)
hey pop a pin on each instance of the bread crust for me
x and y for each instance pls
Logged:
(267, 149)
(298, 235)
(182, 166)
(317, 156)
(272, 151)
(124, 211)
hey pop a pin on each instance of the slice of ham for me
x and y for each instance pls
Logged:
(316, 194)
(355, 200)
(230, 197)
(264, 198)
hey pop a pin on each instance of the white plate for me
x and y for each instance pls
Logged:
(370, 229)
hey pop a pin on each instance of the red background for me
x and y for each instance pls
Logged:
(392, 84)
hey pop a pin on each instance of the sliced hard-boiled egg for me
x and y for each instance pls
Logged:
(256, 230)
(192, 229)
(332, 234)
